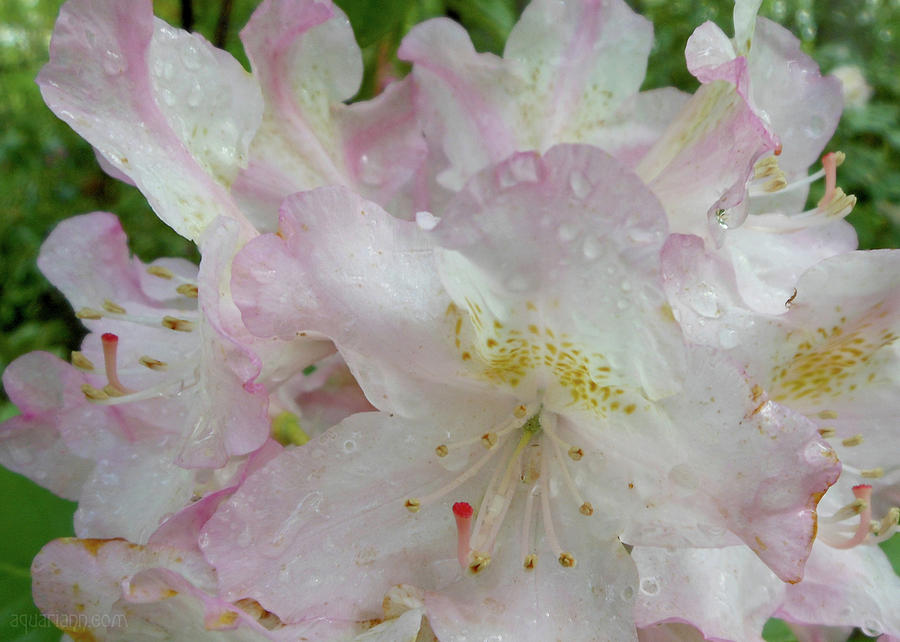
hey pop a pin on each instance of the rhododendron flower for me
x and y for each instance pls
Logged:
(523, 363)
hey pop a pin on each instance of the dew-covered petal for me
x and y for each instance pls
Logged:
(115, 590)
(727, 593)
(592, 600)
(715, 461)
(855, 587)
(560, 252)
(322, 532)
(343, 268)
(43, 388)
(177, 115)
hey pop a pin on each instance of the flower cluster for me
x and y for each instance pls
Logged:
(513, 351)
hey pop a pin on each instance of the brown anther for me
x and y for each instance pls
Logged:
(179, 325)
(520, 411)
(489, 439)
(80, 361)
(479, 562)
(160, 271)
(776, 184)
(872, 473)
(855, 440)
(827, 433)
(412, 505)
(530, 562)
(839, 158)
(567, 560)
(189, 290)
(441, 451)
(586, 509)
(791, 298)
(113, 308)
(153, 364)
(93, 394)
(576, 453)
(89, 313)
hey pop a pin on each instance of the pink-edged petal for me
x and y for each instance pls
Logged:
(339, 259)
(561, 246)
(321, 532)
(177, 114)
(702, 162)
(115, 590)
(670, 632)
(592, 601)
(583, 59)
(714, 461)
(43, 388)
(800, 105)
(710, 56)
(842, 588)
(470, 98)
(726, 593)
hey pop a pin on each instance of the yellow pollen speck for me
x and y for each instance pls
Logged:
(855, 440)
(828, 414)
(179, 325)
(576, 453)
(586, 509)
(89, 313)
(80, 361)
(466, 356)
(530, 562)
(489, 439)
(113, 308)
(412, 505)
(93, 394)
(160, 271)
(567, 560)
(629, 408)
(189, 290)
(441, 451)
(153, 364)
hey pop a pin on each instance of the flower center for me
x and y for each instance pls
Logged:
(526, 465)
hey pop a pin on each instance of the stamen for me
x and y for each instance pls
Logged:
(89, 313)
(153, 364)
(179, 325)
(584, 507)
(576, 453)
(864, 493)
(855, 440)
(530, 562)
(441, 451)
(463, 512)
(489, 439)
(189, 290)
(81, 362)
(113, 308)
(160, 271)
(827, 433)
(565, 559)
(766, 167)
(872, 473)
(885, 529)
(852, 509)
(110, 346)
(93, 394)
(529, 559)
(830, 162)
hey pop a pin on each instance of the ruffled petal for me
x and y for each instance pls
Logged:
(176, 117)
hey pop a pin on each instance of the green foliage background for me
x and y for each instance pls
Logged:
(48, 173)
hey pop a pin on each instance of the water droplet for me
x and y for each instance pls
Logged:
(728, 338)
(649, 586)
(713, 530)
(195, 97)
(621, 304)
(426, 221)
(815, 126)
(591, 248)
(349, 446)
(168, 97)
(518, 283)
(872, 628)
(114, 64)
(191, 57)
(203, 540)
(626, 286)
(580, 185)
(566, 232)
(627, 593)
(702, 300)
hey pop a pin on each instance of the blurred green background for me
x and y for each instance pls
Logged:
(48, 173)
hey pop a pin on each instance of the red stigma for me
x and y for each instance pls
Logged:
(109, 337)
(858, 487)
(463, 510)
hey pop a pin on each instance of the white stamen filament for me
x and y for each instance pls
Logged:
(862, 492)
(459, 481)
(570, 483)
(525, 543)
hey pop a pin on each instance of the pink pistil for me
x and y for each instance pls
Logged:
(110, 346)
(862, 492)
(463, 512)
(829, 164)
